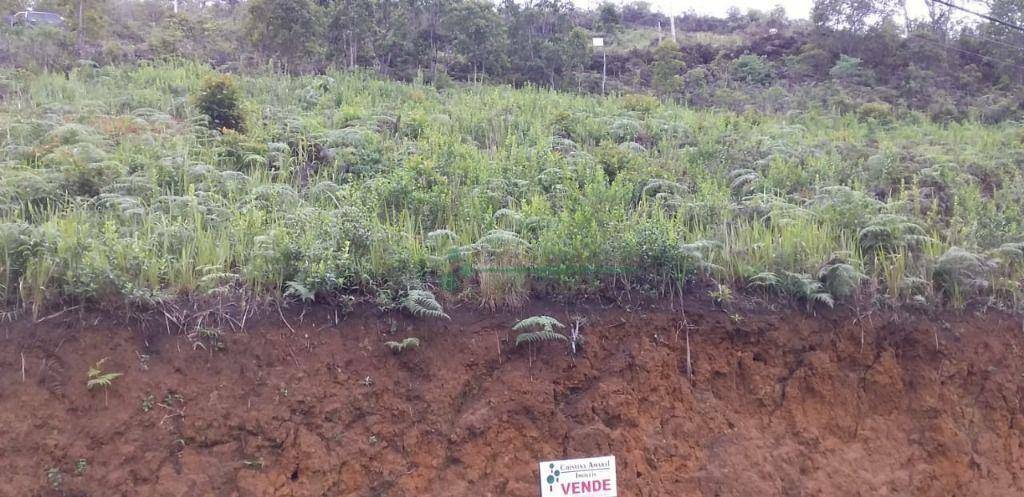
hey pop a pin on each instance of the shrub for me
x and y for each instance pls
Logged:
(959, 273)
(219, 100)
(878, 111)
(644, 104)
(666, 69)
(753, 69)
(848, 70)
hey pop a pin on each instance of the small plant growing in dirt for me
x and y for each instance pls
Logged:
(421, 303)
(543, 330)
(148, 402)
(299, 291)
(399, 347)
(220, 101)
(576, 335)
(173, 399)
(722, 295)
(97, 378)
(56, 478)
(143, 361)
(213, 336)
(253, 464)
(80, 466)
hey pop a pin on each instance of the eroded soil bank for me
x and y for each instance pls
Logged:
(779, 404)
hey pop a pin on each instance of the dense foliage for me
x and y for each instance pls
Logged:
(113, 189)
(852, 56)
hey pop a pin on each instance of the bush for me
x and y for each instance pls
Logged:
(644, 104)
(753, 69)
(219, 100)
(848, 70)
(878, 111)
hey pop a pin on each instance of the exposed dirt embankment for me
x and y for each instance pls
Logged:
(778, 404)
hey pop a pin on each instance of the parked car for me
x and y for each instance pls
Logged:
(35, 18)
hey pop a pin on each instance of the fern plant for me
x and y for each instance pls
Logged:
(805, 287)
(744, 181)
(422, 303)
(887, 233)
(299, 291)
(695, 255)
(95, 377)
(399, 347)
(840, 278)
(959, 273)
(543, 330)
(768, 281)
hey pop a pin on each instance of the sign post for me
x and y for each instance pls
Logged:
(599, 42)
(592, 477)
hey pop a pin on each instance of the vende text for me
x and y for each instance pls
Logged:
(579, 487)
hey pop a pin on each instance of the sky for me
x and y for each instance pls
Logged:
(795, 9)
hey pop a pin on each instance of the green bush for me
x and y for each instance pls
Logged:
(849, 70)
(220, 101)
(753, 69)
(878, 111)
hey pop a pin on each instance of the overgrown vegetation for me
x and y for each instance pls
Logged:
(113, 190)
(868, 58)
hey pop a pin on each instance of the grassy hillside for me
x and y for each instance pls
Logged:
(113, 190)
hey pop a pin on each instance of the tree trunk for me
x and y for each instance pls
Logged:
(80, 43)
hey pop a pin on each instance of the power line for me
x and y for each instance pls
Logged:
(968, 52)
(990, 40)
(979, 14)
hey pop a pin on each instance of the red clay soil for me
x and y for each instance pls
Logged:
(779, 404)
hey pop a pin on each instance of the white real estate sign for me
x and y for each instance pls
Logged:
(592, 477)
(598, 42)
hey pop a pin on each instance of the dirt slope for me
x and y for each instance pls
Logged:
(778, 405)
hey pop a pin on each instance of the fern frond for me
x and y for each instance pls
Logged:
(823, 297)
(422, 303)
(539, 322)
(302, 292)
(961, 269)
(103, 380)
(441, 237)
(408, 343)
(500, 239)
(743, 179)
(95, 370)
(539, 336)
(96, 377)
(510, 214)
(841, 279)
(1008, 253)
(767, 280)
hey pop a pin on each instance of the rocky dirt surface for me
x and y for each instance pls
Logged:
(768, 404)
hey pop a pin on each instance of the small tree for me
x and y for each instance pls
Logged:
(219, 100)
(287, 30)
(609, 19)
(849, 70)
(666, 70)
(753, 69)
